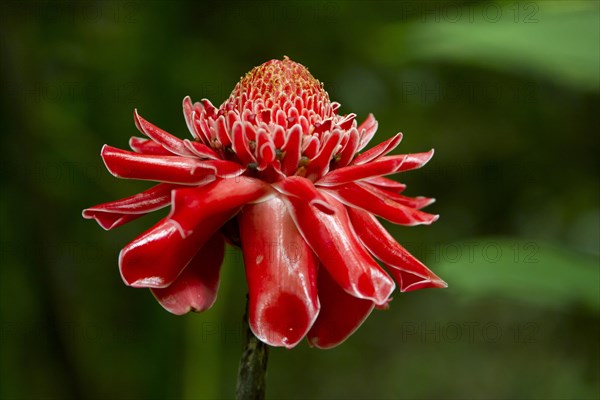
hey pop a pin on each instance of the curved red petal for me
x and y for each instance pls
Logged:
(409, 272)
(310, 146)
(346, 122)
(412, 202)
(190, 113)
(349, 150)
(230, 118)
(201, 150)
(291, 150)
(362, 197)
(281, 274)
(165, 139)
(265, 149)
(303, 188)
(410, 161)
(353, 173)
(239, 143)
(147, 146)
(383, 166)
(202, 128)
(319, 165)
(386, 184)
(173, 169)
(116, 213)
(221, 131)
(278, 136)
(267, 155)
(225, 169)
(335, 106)
(209, 108)
(380, 150)
(341, 314)
(333, 239)
(191, 205)
(158, 256)
(367, 130)
(110, 221)
(196, 288)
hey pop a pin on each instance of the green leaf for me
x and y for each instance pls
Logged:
(534, 272)
(554, 39)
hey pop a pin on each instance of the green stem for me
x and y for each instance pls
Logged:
(252, 372)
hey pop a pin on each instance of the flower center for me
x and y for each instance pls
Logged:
(278, 122)
(280, 85)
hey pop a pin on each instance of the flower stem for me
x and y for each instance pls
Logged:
(252, 372)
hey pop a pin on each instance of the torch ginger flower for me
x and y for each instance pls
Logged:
(278, 171)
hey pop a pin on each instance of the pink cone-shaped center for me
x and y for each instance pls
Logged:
(280, 85)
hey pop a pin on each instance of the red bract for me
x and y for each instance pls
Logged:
(279, 169)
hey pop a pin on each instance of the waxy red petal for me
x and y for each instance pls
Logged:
(220, 126)
(173, 169)
(281, 273)
(409, 272)
(346, 122)
(411, 161)
(265, 149)
(383, 166)
(381, 149)
(201, 150)
(239, 144)
(412, 202)
(280, 118)
(319, 165)
(304, 189)
(190, 205)
(334, 241)
(354, 173)
(323, 126)
(291, 150)
(109, 221)
(116, 213)
(147, 146)
(335, 106)
(209, 108)
(158, 256)
(196, 288)
(189, 115)
(201, 127)
(225, 169)
(278, 136)
(386, 184)
(310, 146)
(267, 154)
(362, 197)
(231, 118)
(165, 139)
(349, 150)
(367, 130)
(341, 314)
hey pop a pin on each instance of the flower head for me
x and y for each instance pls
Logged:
(276, 170)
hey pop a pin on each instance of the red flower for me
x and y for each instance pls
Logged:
(276, 169)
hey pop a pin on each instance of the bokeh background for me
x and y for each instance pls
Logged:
(506, 92)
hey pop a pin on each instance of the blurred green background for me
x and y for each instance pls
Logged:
(506, 92)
